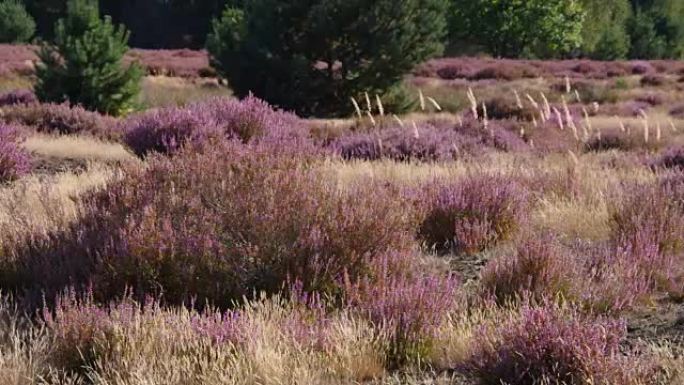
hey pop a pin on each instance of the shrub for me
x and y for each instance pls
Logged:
(584, 68)
(651, 99)
(613, 141)
(539, 269)
(219, 224)
(425, 143)
(552, 345)
(451, 72)
(504, 108)
(653, 80)
(672, 158)
(500, 72)
(407, 308)
(651, 215)
(17, 97)
(166, 130)
(16, 25)
(14, 161)
(62, 119)
(251, 119)
(647, 230)
(309, 59)
(641, 68)
(84, 66)
(678, 111)
(473, 214)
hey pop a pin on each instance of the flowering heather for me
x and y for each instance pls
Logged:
(166, 130)
(407, 308)
(427, 142)
(539, 269)
(468, 67)
(14, 160)
(181, 62)
(251, 119)
(653, 81)
(631, 108)
(549, 344)
(62, 119)
(503, 72)
(474, 213)
(651, 215)
(647, 229)
(506, 108)
(678, 111)
(673, 158)
(617, 140)
(424, 143)
(17, 59)
(218, 224)
(17, 97)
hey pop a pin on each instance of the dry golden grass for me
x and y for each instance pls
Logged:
(12, 82)
(78, 147)
(161, 91)
(37, 204)
(151, 350)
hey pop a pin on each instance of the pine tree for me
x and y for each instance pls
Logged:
(312, 56)
(16, 25)
(84, 64)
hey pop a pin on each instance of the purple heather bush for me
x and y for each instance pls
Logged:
(17, 97)
(549, 344)
(617, 140)
(83, 331)
(505, 108)
(629, 108)
(539, 269)
(648, 233)
(653, 81)
(673, 158)
(219, 223)
(14, 160)
(474, 213)
(424, 143)
(62, 119)
(166, 130)
(678, 111)
(249, 120)
(428, 142)
(407, 306)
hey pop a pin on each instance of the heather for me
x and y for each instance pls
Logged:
(17, 97)
(61, 119)
(430, 141)
(235, 213)
(166, 130)
(550, 344)
(474, 213)
(14, 160)
(504, 229)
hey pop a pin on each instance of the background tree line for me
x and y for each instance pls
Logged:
(599, 29)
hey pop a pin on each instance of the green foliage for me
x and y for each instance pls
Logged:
(604, 33)
(84, 65)
(312, 56)
(519, 28)
(646, 43)
(16, 25)
(657, 29)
